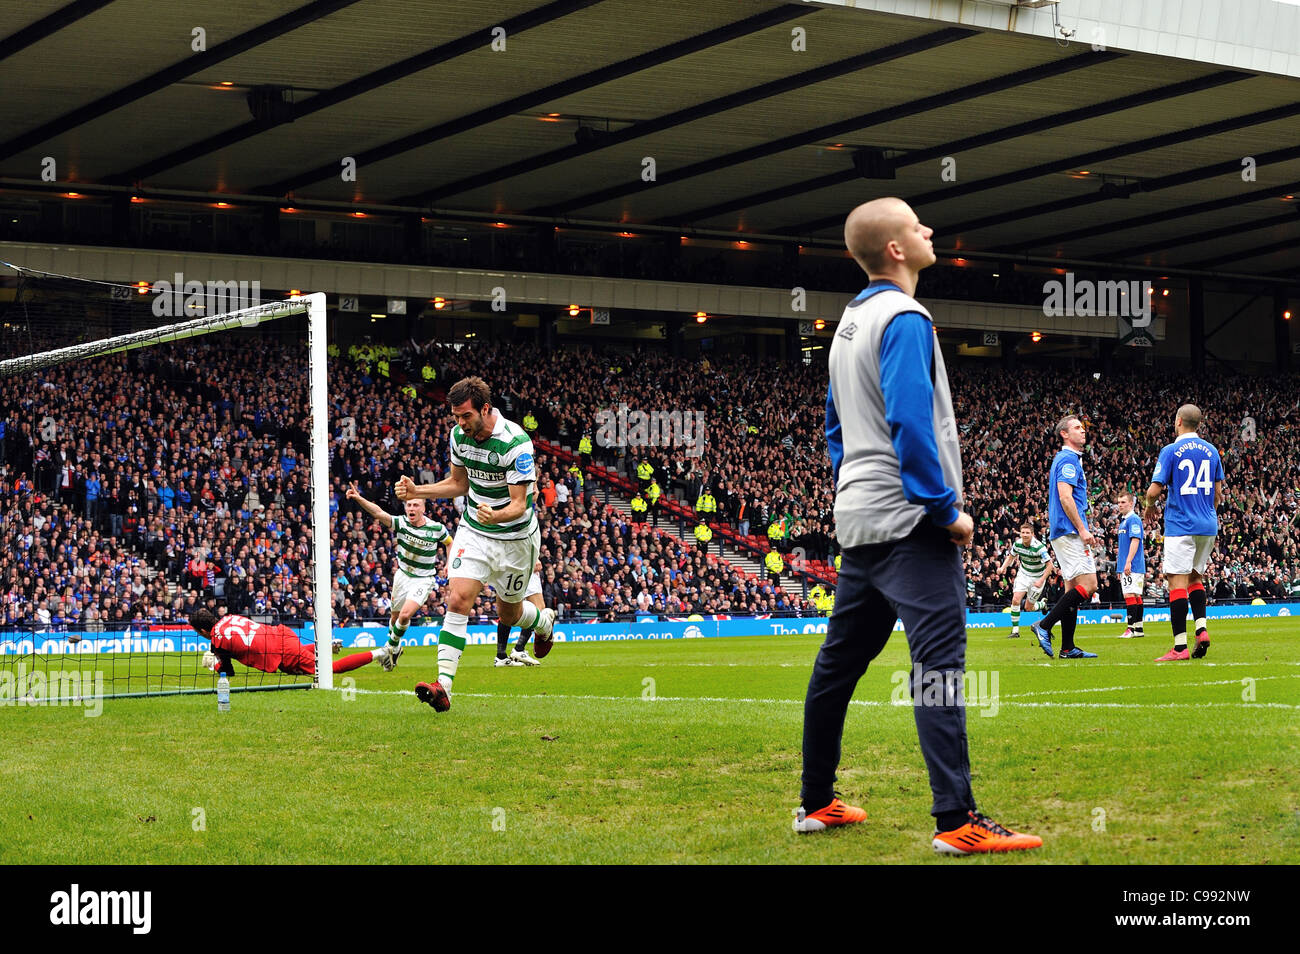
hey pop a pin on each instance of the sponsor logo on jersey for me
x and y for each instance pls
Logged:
(484, 476)
(1068, 471)
(524, 464)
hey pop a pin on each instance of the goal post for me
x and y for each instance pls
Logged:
(103, 319)
(320, 488)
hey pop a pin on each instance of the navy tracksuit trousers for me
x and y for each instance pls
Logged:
(919, 579)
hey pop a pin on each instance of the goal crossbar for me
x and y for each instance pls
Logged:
(244, 318)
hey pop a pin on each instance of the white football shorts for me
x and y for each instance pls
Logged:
(1185, 554)
(504, 565)
(1135, 584)
(1025, 583)
(1073, 557)
(413, 588)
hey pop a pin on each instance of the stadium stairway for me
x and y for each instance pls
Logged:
(674, 515)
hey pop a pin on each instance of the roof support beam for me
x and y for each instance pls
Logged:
(1122, 150)
(1156, 218)
(1225, 232)
(973, 142)
(910, 47)
(192, 64)
(48, 25)
(680, 117)
(537, 97)
(1198, 174)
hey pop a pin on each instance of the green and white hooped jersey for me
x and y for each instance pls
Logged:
(417, 547)
(493, 465)
(1033, 558)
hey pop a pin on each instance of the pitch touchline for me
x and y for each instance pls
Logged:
(855, 702)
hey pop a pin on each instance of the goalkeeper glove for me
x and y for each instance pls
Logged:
(212, 661)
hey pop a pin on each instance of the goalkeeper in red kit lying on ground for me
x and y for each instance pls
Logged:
(264, 647)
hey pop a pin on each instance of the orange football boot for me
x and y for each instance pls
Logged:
(982, 834)
(836, 813)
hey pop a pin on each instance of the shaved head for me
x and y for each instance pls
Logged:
(871, 227)
(1190, 415)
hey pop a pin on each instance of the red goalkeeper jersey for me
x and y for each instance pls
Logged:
(256, 645)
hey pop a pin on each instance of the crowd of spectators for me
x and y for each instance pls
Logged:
(139, 486)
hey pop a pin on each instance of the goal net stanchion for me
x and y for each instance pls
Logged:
(320, 490)
(129, 659)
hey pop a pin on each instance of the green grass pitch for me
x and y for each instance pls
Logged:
(682, 751)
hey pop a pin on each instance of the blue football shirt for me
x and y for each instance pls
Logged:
(1188, 469)
(1067, 467)
(1130, 528)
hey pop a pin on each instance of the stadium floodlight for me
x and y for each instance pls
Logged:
(48, 309)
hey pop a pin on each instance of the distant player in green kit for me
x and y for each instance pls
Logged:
(1031, 577)
(498, 540)
(417, 564)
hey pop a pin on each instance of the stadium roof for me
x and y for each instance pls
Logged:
(1057, 151)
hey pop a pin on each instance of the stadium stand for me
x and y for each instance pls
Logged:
(139, 495)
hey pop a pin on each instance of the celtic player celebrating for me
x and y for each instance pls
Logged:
(1031, 577)
(498, 540)
(417, 564)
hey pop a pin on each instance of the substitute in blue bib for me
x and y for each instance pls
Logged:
(892, 436)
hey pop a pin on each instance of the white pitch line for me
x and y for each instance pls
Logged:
(695, 665)
(1093, 664)
(1181, 685)
(870, 703)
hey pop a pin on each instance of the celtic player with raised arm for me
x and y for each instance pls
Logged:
(1031, 576)
(498, 540)
(417, 564)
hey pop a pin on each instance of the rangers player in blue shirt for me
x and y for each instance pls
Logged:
(1193, 471)
(1072, 541)
(1131, 562)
